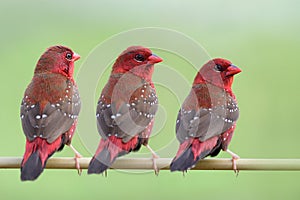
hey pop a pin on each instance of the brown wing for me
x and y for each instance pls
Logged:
(206, 123)
(55, 119)
(127, 119)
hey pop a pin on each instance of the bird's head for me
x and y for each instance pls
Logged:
(138, 60)
(57, 59)
(218, 72)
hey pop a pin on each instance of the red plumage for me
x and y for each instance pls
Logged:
(207, 118)
(126, 107)
(49, 109)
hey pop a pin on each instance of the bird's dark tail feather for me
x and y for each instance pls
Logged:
(32, 168)
(100, 162)
(190, 152)
(35, 157)
(107, 152)
(186, 160)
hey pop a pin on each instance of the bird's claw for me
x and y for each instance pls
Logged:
(235, 157)
(156, 170)
(154, 157)
(77, 164)
(235, 169)
(76, 158)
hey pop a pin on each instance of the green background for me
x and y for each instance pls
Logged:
(261, 37)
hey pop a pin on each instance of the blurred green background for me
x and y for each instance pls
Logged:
(261, 37)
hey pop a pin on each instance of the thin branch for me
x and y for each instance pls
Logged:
(163, 164)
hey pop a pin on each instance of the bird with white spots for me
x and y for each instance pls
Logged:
(49, 110)
(207, 118)
(126, 108)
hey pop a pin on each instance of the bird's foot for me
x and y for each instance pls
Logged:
(77, 164)
(154, 157)
(156, 170)
(235, 157)
(77, 156)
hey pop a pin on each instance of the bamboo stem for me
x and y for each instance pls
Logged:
(163, 164)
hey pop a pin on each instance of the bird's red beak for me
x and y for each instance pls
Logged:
(232, 70)
(75, 57)
(154, 59)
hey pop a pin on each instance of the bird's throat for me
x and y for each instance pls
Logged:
(144, 71)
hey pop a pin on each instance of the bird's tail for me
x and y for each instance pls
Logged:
(191, 151)
(35, 157)
(107, 152)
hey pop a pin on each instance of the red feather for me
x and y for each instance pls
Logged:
(42, 147)
(115, 146)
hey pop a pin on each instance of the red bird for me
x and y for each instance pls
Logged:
(126, 108)
(49, 110)
(207, 118)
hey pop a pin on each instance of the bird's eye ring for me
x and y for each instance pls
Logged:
(69, 56)
(218, 68)
(139, 58)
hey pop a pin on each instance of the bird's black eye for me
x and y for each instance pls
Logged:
(69, 56)
(218, 68)
(139, 58)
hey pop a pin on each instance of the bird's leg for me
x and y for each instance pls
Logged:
(154, 157)
(235, 157)
(77, 156)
